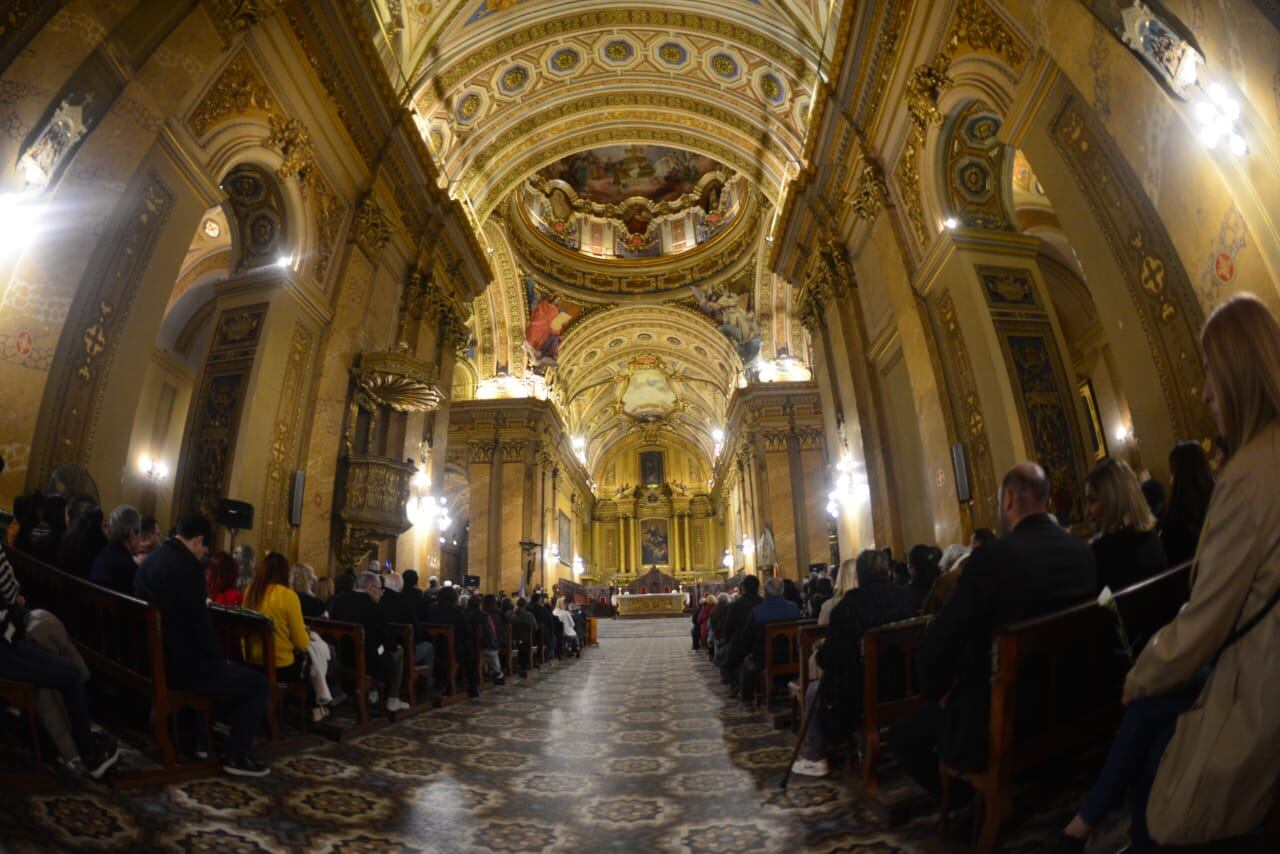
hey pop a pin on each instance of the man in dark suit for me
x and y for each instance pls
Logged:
(1035, 569)
(736, 620)
(381, 655)
(446, 612)
(398, 607)
(172, 579)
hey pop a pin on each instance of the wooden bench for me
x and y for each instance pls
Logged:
(248, 638)
(1055, 689)
(349, 665)
(22, 696)
(781, 654)
(121, 641)
(404, 634)
(506, 651)
(808, 638)
(890, 688)
(524, 643)
(453, 684)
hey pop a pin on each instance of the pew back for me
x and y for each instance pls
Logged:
(781, 653)
(890, 686)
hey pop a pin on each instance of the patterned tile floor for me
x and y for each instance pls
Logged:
(631, 748)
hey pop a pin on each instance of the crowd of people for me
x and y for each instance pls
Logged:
(1195, 750)
(184, 579)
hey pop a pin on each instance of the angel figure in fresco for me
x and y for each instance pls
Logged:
(546, 323)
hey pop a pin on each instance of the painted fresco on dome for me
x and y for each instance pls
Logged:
(731, 308)
(648, 395)
(610, 174)
(488, 7)
(549, 317)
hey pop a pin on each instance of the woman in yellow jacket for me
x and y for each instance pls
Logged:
(269, 594)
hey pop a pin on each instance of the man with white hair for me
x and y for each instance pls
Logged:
(114, 566)
(382, 656)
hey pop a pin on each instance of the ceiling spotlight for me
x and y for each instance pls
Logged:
(951, 222)
(284, 261)
(1217, 120)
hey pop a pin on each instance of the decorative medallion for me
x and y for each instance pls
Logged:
(564, 60)
(468, 107)
(725, 66)
(618, 51)
(673, 53)
(514, 79)
(772, 89)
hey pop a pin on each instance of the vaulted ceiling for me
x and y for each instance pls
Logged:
(504, 88)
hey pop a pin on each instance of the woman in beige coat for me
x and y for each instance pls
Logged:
(1201, 735)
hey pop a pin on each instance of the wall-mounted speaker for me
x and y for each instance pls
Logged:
(296, 497)
(958, 465)
(234, 514)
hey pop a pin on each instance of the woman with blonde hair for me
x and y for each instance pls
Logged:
(1200, 736)
(302, 580)
(1127, 547)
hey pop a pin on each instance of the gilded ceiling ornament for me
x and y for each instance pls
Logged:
(291, 139)
(977, 25)
(872, 194)
(236, 15)
(398, 380)
(908, 175)
(371, 230)
(925, 86)
(239, 89)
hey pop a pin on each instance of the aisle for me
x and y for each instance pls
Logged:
(631, 748)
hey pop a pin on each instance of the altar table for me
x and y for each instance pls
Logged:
(651, 604)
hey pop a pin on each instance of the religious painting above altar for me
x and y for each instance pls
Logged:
(652, 468)
(654, 550)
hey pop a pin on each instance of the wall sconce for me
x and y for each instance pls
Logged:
(748, 547)
(578, 568)
(727, 561)
(1217, 118)
(851, 489)
(152, 469)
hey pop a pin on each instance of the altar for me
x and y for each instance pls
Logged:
(651, 604)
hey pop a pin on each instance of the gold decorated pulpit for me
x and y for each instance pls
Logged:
(651, 604)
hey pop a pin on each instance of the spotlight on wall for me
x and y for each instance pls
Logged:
(18, 222)
(951, 222)
(283, 261)
(1217, 118)
(153, 469)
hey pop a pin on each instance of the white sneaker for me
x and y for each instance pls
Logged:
(395, 704)
(806, 768)
(373, 698)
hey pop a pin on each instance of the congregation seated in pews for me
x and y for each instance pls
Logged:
(186, 637)
(1038, 645)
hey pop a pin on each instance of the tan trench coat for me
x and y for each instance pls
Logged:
(1218, 777)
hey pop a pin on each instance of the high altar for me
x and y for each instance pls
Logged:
(651, 604)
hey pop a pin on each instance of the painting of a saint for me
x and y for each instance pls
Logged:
(653, 542)
(565, 543)
(733, 314)
(547, 322)
(652, 471)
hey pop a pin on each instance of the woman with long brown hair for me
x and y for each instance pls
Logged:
(1200, 737)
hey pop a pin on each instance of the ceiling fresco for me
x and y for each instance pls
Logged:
(614, 173)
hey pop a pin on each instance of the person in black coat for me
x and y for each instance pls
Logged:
(400, 608)
(1128, 548)
(382, 656)
(736, 620)
(1188, 502)
(552, 629)
(446, 612)
(172, 579)
(1035, 569)
(83, 541)
(114, 567)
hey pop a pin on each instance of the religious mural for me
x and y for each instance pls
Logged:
(648, 395)
(610, 174)
(730, 306)
(549, 316)
(652, 468)
(653, 542)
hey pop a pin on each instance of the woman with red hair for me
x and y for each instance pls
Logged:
(220, 580)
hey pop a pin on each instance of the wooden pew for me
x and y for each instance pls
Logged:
(592, 629)
(525, 647)
(808, 639)
(890, 689)
(121, 641)
(22, 696)
(404, 634)
(506, 651)
(781, 654)
(347, 640)
(248, 638)
(453, 685)
(1055, 689)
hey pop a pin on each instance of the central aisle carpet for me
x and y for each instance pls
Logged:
(634, 747)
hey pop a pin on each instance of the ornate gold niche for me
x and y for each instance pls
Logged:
(374, 486)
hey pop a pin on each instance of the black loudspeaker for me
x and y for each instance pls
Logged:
(961, 469)
(234, 514)
(299, 494)
(472, 581)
